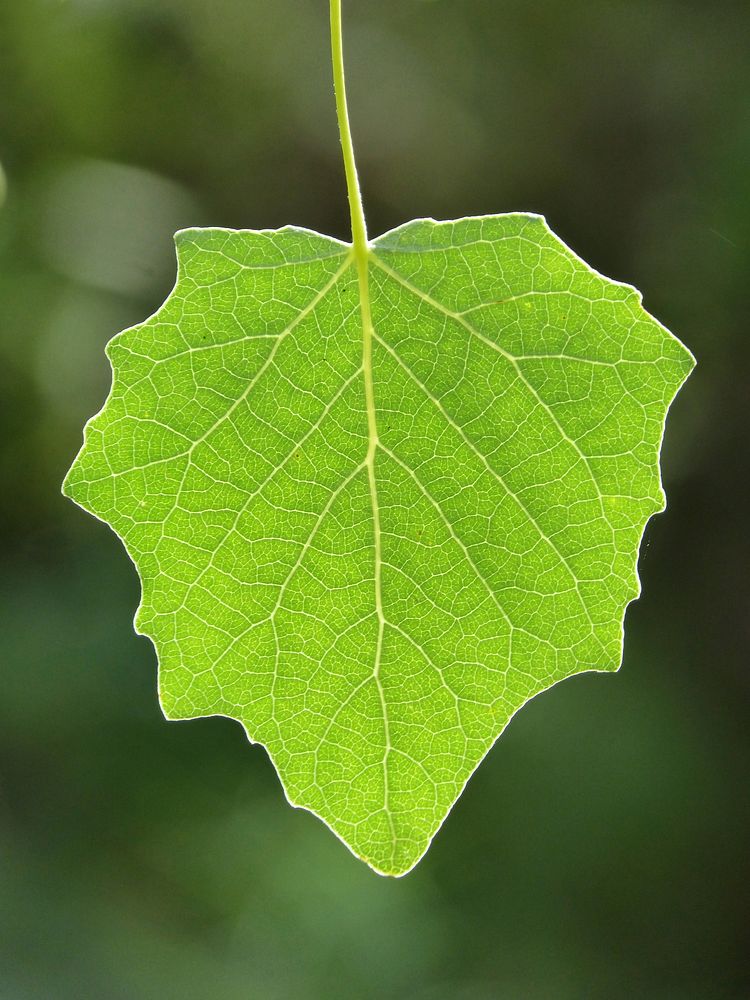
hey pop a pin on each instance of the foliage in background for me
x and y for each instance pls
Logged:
(624, 124)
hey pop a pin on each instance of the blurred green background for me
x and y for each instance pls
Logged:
(601, 851)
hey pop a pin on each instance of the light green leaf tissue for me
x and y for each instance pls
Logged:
(379, 500)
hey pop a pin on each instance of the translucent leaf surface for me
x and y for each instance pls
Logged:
(374, 595)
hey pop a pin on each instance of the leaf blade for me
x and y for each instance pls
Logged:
(520, 401)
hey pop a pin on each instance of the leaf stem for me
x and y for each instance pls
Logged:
(359, 227)
(361, 253)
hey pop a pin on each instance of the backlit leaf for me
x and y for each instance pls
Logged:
(374, 595)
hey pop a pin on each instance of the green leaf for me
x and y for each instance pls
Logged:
(374, 590)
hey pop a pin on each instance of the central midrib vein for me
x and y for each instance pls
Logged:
(361, 260)
(372, 444)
